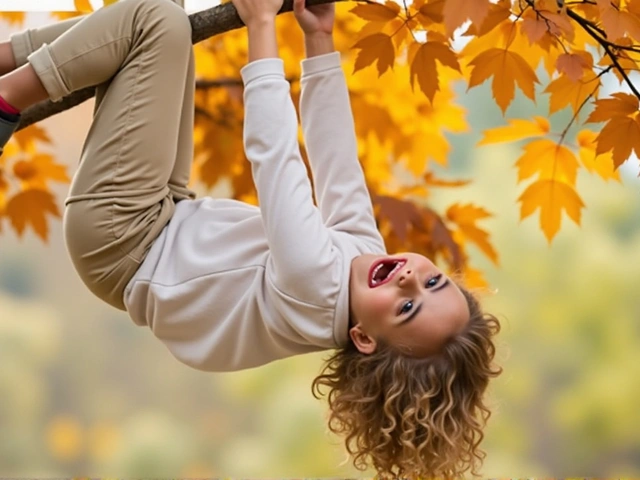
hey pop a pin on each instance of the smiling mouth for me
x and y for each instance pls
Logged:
(384, 270)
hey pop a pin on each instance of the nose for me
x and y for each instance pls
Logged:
(407, 279)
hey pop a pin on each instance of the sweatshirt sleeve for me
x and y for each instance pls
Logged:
(299, 242)
(329, 132)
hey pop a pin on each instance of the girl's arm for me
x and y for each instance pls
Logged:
(301, 254)
(329, 131)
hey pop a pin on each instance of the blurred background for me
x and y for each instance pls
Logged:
(85, 392)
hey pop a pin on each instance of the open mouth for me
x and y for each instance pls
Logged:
(384, 270)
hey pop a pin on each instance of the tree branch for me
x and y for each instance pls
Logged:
(204, 24)
(607, 48)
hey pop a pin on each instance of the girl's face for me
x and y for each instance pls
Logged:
(405, 301)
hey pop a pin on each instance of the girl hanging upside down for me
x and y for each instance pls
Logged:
(228, 286)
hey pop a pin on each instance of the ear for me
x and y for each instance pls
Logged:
(363, 342)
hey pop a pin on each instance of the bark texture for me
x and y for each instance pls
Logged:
(204, 24)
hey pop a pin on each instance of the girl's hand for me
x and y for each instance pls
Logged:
(257, 11)
(317, 19)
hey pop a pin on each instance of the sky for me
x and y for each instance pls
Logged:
(67, 5)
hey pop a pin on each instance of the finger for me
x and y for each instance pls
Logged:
(298, 6)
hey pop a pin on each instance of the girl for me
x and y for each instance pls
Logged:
(228, 286)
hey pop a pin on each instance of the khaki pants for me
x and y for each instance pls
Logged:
(136, 160)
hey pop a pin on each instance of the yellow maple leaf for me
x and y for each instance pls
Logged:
(13, 18)
(594, 163)
(38, 170)
(456, 12)
(377, 12)
(551, 198)
(507, 69)
(498, 13)
(423, 65)
(549, 160)
(30, 207)
(620, 105)
(82, 5)
(375, 48)
(517, 129)
(574, 64)
(565, 92)
(465, 217)
(27, 138)
(620, 136)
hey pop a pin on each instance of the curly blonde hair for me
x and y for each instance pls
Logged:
(409, 416)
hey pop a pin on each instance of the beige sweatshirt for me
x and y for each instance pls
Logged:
(229, 286)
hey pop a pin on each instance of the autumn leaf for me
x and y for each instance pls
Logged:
(564, 92)
(549, 160)
(594, 163)
(517, 129)
(465, 217)
(38, 170)
(507, 69)
(456, 12)
(376, 12)
(498, 13)
(546, 21)
(431, 179)
(620, 105)
(574, 64)
(616, 22)
(13, 18)
(27, 138)
(82, 5)
(377, 47)
(432, 11)
(30, 207)
(403, 215)
(551, 198)
(423, 66)
(620, 136)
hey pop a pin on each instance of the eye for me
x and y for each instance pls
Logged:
(406, 308)
(433, 281)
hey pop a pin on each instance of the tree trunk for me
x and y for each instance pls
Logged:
(204, 24)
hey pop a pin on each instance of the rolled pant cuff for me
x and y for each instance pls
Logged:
(47, 71)
(21, 46)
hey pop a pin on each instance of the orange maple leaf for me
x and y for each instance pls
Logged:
(551, 198)
(617, 22)
(574, 64)
(507, 69)
(620, 136)
(377, 47)
(431, 179)
(30, 207)
(13, 18)
(82, 5)
(621, 105)
(423, 65)
(517, 129)
(38, 170)
(565, 92)
(376, 12)
(594, 163)
(430, 12)
(456, 12)
(546, 21)
(498, 13)
(549, 160)
(465, 217)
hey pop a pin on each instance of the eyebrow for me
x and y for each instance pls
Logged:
(417, 310)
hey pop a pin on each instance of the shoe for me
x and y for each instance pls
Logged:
(7, 127)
